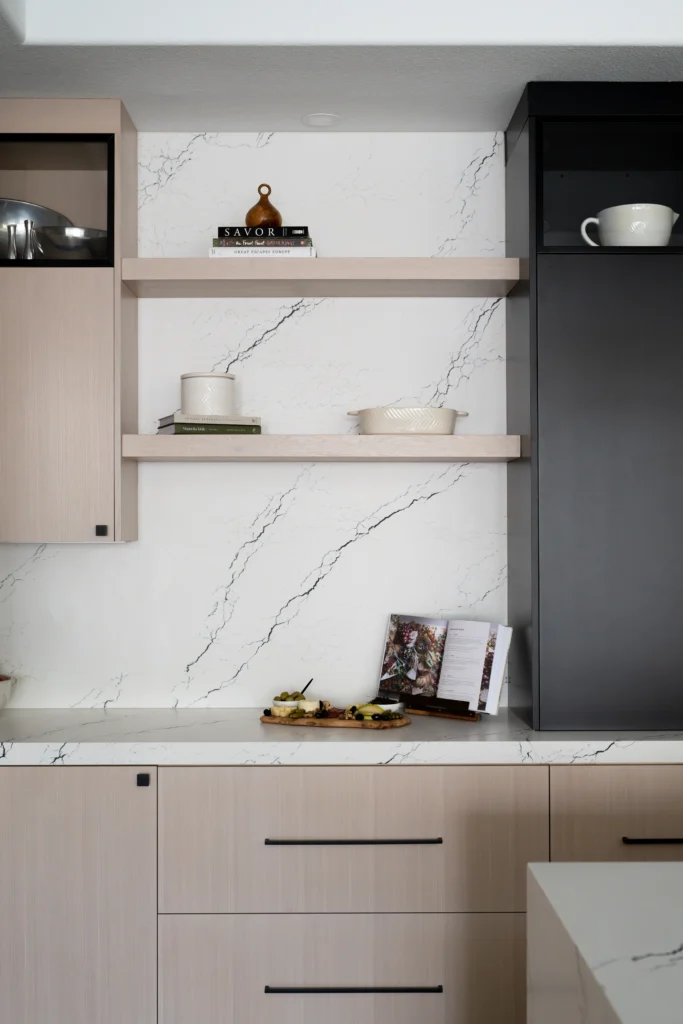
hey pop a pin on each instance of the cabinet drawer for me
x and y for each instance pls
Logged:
(333, 840)
(216, 969)
(595, 808)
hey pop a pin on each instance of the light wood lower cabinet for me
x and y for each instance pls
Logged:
(216, 969)
(595, 808)
(77, 901)
(354, 840)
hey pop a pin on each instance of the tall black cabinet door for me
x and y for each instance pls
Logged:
(610, 479)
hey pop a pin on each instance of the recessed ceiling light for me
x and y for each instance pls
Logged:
(320, 120)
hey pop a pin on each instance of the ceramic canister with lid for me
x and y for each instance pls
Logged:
(207, 394)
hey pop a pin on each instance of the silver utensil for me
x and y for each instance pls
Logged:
(16, 211)
(11, 241)
(32, 247)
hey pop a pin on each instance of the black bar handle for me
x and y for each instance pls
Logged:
(627, 841)
(353, 842)
(403, 989)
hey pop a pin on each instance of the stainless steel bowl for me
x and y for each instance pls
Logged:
(16, 211)
(70, 243)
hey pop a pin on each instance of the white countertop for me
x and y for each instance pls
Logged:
(626, 923)
(236, 736)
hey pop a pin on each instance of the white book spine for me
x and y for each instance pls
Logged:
(296, 252)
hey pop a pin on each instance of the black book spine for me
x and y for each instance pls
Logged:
(244, 232)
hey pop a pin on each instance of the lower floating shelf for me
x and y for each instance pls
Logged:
(321, 448)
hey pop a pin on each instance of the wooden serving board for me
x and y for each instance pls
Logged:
(336, 723)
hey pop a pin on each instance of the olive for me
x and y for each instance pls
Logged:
(267, 712)
(359, 718)
(318, 714)
(377, 718)
(354, 709)
(323, 713)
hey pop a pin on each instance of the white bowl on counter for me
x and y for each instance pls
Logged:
(285, 704)
(388, 419)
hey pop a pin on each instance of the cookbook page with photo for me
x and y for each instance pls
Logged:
(412, 655)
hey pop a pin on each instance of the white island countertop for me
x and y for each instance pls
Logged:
(235, 736)
(619, 957)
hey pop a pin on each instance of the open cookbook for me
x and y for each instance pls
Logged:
(444, 664)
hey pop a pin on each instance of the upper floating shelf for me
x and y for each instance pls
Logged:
(364, 277)
(321, 448)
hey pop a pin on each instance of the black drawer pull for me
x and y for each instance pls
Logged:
(353, 842)
(627, 841)
(344, 991)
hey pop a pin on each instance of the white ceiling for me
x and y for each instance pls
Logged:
(350, 23)
(387, 88)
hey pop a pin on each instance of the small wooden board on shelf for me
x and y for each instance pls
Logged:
(335, 723)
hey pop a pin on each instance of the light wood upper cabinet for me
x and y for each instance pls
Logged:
(68, 331)
(56, 403)
(215, 969)
(357, 839)
(594, 808)
(77, 896)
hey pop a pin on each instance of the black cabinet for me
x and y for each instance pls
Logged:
(595, 356)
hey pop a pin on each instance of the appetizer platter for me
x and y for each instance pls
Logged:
(295, 709)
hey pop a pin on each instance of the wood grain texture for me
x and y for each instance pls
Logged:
(328, 276)
(213, 823)
(214, 969)
(593, 806)
(125, 411)
(321, 448)
(77, 901)
(60, 115)
(126, 327)
(56, 403)
(126, 188)
(335, 723)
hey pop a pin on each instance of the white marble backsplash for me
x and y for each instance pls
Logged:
(248, 579)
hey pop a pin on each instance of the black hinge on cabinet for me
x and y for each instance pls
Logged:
(101, 531)
(143, 779)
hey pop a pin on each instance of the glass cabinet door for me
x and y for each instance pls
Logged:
(57, 199)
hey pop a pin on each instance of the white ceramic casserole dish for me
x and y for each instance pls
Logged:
(388, 419)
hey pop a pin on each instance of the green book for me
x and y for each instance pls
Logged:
(210, 428)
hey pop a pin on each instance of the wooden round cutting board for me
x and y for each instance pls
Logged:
(336, 723)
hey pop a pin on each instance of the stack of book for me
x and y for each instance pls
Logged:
(242, 241)
(179, 423)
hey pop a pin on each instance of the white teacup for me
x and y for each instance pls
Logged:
(635, 224)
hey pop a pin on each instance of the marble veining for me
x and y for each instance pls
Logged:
(248, 579)
(625, 922)
(235, 736)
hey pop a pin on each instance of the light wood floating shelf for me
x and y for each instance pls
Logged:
(321, 448)
(310, 278)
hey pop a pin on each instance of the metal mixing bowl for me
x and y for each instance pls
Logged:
(16, 211)
(70, 243)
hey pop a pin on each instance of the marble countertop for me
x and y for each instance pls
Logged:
(236, 736)
(626, 923)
